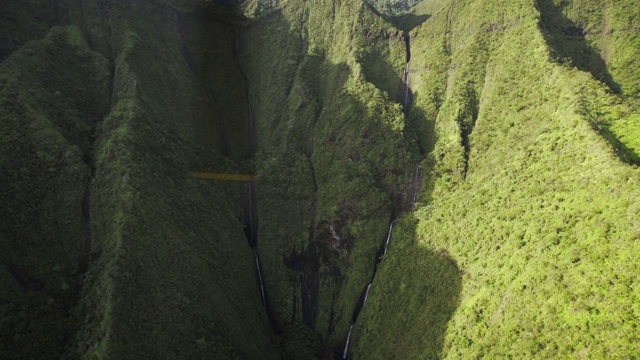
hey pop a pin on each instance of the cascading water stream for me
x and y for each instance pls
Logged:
(259, 268)
(252, 227)
(415, 185)
(366, 295)
(407, 91)
(346, 346)
(414, 196)
(386, 244)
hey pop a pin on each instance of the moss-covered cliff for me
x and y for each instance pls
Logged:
(334, 155)
(104, 134)
(520, 121)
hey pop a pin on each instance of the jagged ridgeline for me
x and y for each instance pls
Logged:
(518, 122)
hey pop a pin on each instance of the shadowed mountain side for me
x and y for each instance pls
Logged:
(408, 21)
(23, 21)
(601, 40)
(53, 94)
(209, 47)
(415, 292)
(568, 42)
(172, 274)
(333, 156)
(382, 70)
(344, 197)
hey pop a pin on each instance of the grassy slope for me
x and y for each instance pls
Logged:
(544, 226)
(333, 152)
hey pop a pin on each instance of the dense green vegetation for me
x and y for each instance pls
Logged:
(171, 274)
(333, 155)
(524, 120)
(531, 203)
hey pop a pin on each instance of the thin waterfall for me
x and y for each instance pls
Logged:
(386, 244)
(366, 295)
(407, 100)
(251, 232)
(414, 197)
(250, 196)
(252, 135)
(346, 346)
(252, 223)
(259, 268)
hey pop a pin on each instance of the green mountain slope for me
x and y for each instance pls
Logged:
(170, 273)
(334, 154)
(530, 202)
(519, 125)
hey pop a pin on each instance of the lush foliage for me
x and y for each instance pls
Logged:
(171, 274)
(524, 118)
(52, 94)
(334, 154)
(532, 203)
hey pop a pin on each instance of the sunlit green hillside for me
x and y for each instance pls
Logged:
(525, 240)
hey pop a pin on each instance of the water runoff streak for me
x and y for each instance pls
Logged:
(366, 293)
(251, 231)
(251, 218)
(259, 269)
(414, 197)
(407, 91)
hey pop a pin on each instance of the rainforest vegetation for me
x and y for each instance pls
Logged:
(500, 140)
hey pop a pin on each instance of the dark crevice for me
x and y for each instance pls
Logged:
(310, 286)
(407, 41)
(28, 282)
(252, 135)
(85, 32)
(89, 154)
(104, 17)
(251, 222)
(408, 95)
(184, 48)
(86, 234)
(53, 4)
(412, 196)
(466, 118)
(331, 327)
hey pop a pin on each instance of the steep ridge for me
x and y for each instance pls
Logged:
(518, 246)
(175, 276)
